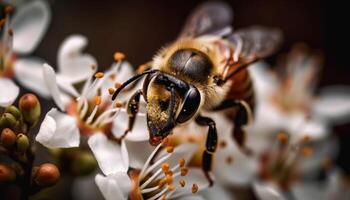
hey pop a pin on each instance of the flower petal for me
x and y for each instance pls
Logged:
(114, 186)
(29, 24)
(74, 65)
(234, 167)
(140, 151)
(267, 191)
(216, 192)
(9, 92)
(51, 82)
(111, 156)
(58, 130)
(28, 72)
(333, 104)
(139, 131)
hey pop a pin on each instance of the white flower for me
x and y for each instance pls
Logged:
(87, 112)
(28, 24)
(163, 174)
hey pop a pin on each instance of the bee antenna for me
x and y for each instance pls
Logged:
(132, 79)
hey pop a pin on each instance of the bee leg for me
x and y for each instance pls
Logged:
(210, 145)
(132, 109)
(242, 118)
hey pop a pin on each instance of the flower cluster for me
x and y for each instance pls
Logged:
(101, 145)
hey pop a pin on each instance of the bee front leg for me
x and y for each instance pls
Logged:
(210, 145)
(132, 109)
(243, 117)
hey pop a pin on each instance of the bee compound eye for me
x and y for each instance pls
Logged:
(190, 105)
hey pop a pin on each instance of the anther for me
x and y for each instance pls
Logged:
(117, 85)
(119, 104)
(184, 171)
(229, 159)
(171, 187)
(194, 188)
(10, 32)
(98, 100)
(118, 56)
(169, 179)
(8, 9)
(223, 144)
(112, 77)
(165, 167)
(182, 183)
(182, 162)
(169, 149)
(2, 23)
(93, 67)
(282, 137)
(161, 183)
(141, 68)
(327, 163)
(165, 142)
(306, 139)
(111, 91)
(99, 75)
(307, 151)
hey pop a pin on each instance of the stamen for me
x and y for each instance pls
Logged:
(142, 173)
(165, 167)
(92, 115)
(170, 149)
(184, 171)
(2, 22)
(98, 100)
(182, 162)
(283, 138)
(194, 188)
(152, 167)
(223, 144)
(182, 183)
(171, 187)
(141, 68)
(169, 179)
(307, 151)
(229, 160)
(10, 32)
(165, 142)
(111, 91)
(161, 183)
(119, 56)
(8, 9)
(149, 180)
(104, 118)
(99, 75)
(158, 194)
(118, 104)
(93, 67)
(112, 77)
(84, 108)
(117, 85)
(147, 190)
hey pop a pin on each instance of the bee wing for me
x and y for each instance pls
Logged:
(209, 17)
(249, 45)
(255, 42)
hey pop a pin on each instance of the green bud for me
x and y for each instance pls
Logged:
(46, 175)
(14, 111)
(29, 105)
(84, 163)
(7, 138)
(22, 142)
(7, 120)
(7, 174)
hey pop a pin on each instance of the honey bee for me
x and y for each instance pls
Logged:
(204, 69)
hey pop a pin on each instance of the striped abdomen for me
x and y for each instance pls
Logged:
(242, 88)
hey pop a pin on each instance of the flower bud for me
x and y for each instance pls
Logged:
(14, 111)
(29, 105)
(7, 120)
(22, 142)
(84, 163)
(7, 174)
(46, 175)
(8, 137)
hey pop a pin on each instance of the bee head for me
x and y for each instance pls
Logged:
(170, 101)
